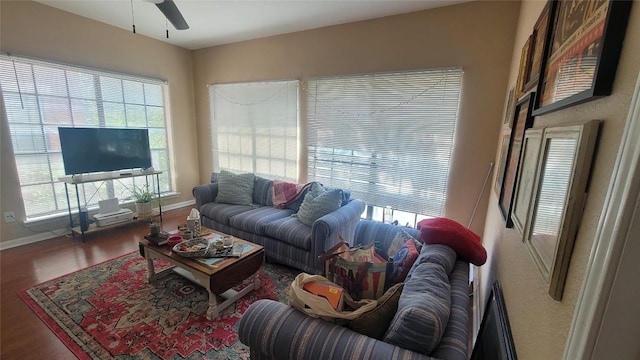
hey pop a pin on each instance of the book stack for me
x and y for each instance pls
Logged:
(332, 293)
(159, 239)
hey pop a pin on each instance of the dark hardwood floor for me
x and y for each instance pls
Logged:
(22, 334)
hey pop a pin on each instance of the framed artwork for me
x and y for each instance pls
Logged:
(508, 112)
(522, 121)
(539, 44)
(503, 160)
(557, 199)
(523, 70)
(584, 49)
(526, 178)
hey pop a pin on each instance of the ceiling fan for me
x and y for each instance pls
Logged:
(171, 12)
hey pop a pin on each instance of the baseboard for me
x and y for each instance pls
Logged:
(50, 234)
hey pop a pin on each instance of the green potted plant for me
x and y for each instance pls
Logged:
(143, 197)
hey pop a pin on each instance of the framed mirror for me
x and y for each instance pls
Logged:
(526, 178)
(552, 217)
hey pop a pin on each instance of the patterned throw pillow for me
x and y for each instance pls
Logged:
(374, 323)
(401, 238)
(235, 188)
(401, 262)
(317, 203)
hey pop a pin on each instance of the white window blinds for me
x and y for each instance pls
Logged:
(387, 137)
(40, 96)
(255, 128)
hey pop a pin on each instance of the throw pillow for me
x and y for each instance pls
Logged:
(317, 203)
(374, 323)
(451, 233)
(399, 240)
(423, 310)
(235, 188)
(401, 262)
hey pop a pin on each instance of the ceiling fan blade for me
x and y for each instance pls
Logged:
(170, 10)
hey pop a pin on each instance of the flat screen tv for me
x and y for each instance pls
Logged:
(87, 150)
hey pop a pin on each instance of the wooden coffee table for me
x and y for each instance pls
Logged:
(218, 279)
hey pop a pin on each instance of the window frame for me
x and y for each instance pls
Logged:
(22, 83)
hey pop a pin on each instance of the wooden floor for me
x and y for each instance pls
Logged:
(22, 334)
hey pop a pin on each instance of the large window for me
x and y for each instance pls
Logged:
(255, 128)
(387, 137)
(41, 96)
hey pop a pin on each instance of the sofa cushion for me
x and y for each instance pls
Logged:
(235, 188)
(262, 191)
(222, 212)
(255, 221)
(423, 310)
(453, 234)
(374, 323)
(291, 231)
(317, 203)
(439, 254)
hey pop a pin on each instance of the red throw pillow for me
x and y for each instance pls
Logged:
(448, 232)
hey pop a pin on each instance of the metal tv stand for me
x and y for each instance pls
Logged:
(95, 177)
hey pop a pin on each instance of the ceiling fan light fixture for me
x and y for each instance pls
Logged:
(171, 12)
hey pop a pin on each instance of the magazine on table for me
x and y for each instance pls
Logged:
(216, 259)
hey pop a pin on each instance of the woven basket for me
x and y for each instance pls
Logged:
(202, 252)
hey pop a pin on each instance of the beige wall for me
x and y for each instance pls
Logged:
(477, 36)
(539, 324)
(31, 29)
(484, 38)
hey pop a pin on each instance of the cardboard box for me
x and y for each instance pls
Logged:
(333, 293)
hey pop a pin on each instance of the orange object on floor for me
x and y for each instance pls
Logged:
(332, 293)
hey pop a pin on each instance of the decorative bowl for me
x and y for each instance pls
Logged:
(174, 240)
(192, 249)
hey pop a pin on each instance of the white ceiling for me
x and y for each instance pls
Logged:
(215, 22)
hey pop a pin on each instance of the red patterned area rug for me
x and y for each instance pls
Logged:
(109, 311)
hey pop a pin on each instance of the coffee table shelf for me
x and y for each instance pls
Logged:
(218, 281)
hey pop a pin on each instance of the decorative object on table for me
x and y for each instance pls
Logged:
(539, 45)
(194, 248)
(77, 312)
(159, 239)
(174, 240)
(154, 229)
(143, 197)
(522, 121)
(584, 49)
(193, 222)
(559, 193)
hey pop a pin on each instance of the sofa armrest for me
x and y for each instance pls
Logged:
(205, 194)
(275, 330)
(326, 230)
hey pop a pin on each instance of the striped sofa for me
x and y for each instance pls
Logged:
(285, 239)
(273, 330)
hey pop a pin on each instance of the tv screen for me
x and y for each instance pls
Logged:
(87, 150)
